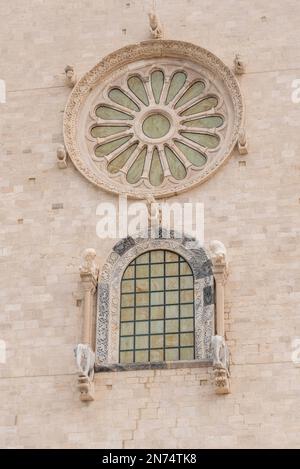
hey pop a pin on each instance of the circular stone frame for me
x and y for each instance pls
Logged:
(154, 49)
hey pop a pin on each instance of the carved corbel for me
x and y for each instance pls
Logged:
(238, 65)
(85, 356)
(71, 76)
(219, 347)
(242, 143)
(61, 155)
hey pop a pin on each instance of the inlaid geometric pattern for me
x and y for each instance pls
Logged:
(157, 309)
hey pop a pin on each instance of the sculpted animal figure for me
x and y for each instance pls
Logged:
(155, 26)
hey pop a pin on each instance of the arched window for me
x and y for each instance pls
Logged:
(157, 309)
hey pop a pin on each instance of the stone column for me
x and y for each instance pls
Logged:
(219, 347)
(85, 355)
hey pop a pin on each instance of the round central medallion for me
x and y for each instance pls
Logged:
(156, 126)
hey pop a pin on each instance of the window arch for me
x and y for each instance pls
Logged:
(157, 320)
(125, 255)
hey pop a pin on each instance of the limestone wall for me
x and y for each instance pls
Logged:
(48, 216)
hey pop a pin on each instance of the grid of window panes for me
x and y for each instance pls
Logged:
(157, 309)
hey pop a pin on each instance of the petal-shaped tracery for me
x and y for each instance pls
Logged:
(195, 90)
(177, 168)
(118, 96)
(205, 140)
(156, 175)
(106, 148)
(157, 84)
(109, 113)
(177, 82)
(211, 122)
(194, 156)
(202, 106)
(118, 162)
(136, 86)
(135, 172)
(102, 131)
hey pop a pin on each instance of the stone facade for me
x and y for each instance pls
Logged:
(48, 218)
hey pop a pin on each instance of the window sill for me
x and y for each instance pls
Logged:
(152, 366)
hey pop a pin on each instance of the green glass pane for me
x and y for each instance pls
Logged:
(141, 356)
(102, 131)
(142, 327)
(186, 354)
(143, 259)
(186, 311)
(172, 297)
(136, 85)
(141, 341)
(172, 311)
(157, 284)
(157, 327)
(185, 269)
(186, 325)
(127, 286)
(157, 298)
(142, 299)
(142, 313)
(157, 256)
(127, 328)
(157, 270)
(109, 147)
(119, 97)
(172, 269)
(142, 271)
(203, 106)
(187, 282)
(157, 83)
(171, 256)
(186, 296)
(127, 300)
(156, 341)
(117, 163)
(129, 272)
(172, 354)
(142, 285)
(172, 325)
(205, 140)
(172, 283)
(177, 169)
(171, 340)
(156, 176)
(192, 92)
(194, 156)
(126, 357)
(136, 170)
(177, 82)
(156, 126)
(127, 314)
(126, 343)
(187, 339)
(108, 113)
(157, 312)
(156, 355)
(211, 122)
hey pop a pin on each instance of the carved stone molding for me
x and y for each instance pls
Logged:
(80, 114)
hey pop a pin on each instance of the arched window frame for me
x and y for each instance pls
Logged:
(109, 284)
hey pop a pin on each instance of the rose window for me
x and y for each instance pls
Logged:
(153, 125)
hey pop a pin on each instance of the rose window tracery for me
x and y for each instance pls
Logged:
(155, 125)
